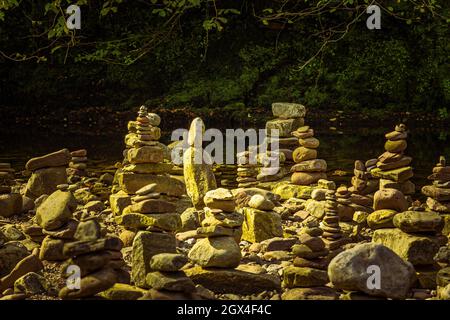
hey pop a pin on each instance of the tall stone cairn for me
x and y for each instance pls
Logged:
(10, 202)
(145, 162)
(288, 117)
(393, 166)
(308, 169)
(330, 224)
(438, 192)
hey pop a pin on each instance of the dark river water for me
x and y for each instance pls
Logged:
(339, 147)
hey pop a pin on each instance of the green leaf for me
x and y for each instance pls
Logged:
(390, 9)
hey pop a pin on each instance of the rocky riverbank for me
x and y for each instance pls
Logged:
(150, 229)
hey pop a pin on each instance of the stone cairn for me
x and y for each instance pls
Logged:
(439, 192)
(271, 165)
(261, 222)
(289, 117)
(393, 167)
(308, 169)
(48, 172)
(144, 163)
(416, 238)
(363, 185)
(247, 170)
(332, 233)
(148, 211)
(10, 202)
(78, 163)
(310, 262)
(97, 257)
(219, 233)
(226, 175)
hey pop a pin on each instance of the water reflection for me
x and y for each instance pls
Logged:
(340, 147)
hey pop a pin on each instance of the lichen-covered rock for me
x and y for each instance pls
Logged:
(233, 281)
(350, 270)
(416, 221)
(219, 252)
(44, 181)
(198, 175)
(303, 277)
(419, 250)
(381, 219)
(132, 182)
(260, 225)
(56, 210)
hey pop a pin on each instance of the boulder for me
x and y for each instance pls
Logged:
(418, 222)
(219, 252)
(418, 250)
(354, 269)
(44, 181)
(11, 254)
(233, 281)
(260, 225)
(56, 210)
(10, 204)
(390, 199)
(381, 219)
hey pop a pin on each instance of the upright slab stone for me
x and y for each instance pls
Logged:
(198, 173)
(145, 245)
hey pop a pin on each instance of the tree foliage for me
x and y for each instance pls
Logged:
(217, 53)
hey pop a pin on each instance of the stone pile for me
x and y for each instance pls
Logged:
(247, 169)
(332, 233)
(289, 117)
(55, 225)
(393, 167)
(226, 175)
(10, 202)
(271, 166)
(345, 205)
(363, 185)
(416, 238)
(219, 233)
(98, 260)
(309, 265)
(78, 163)
(144, 164)
(148, 211)
(439, 192)
(48, 172)
(307, 169)
(261, 222)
